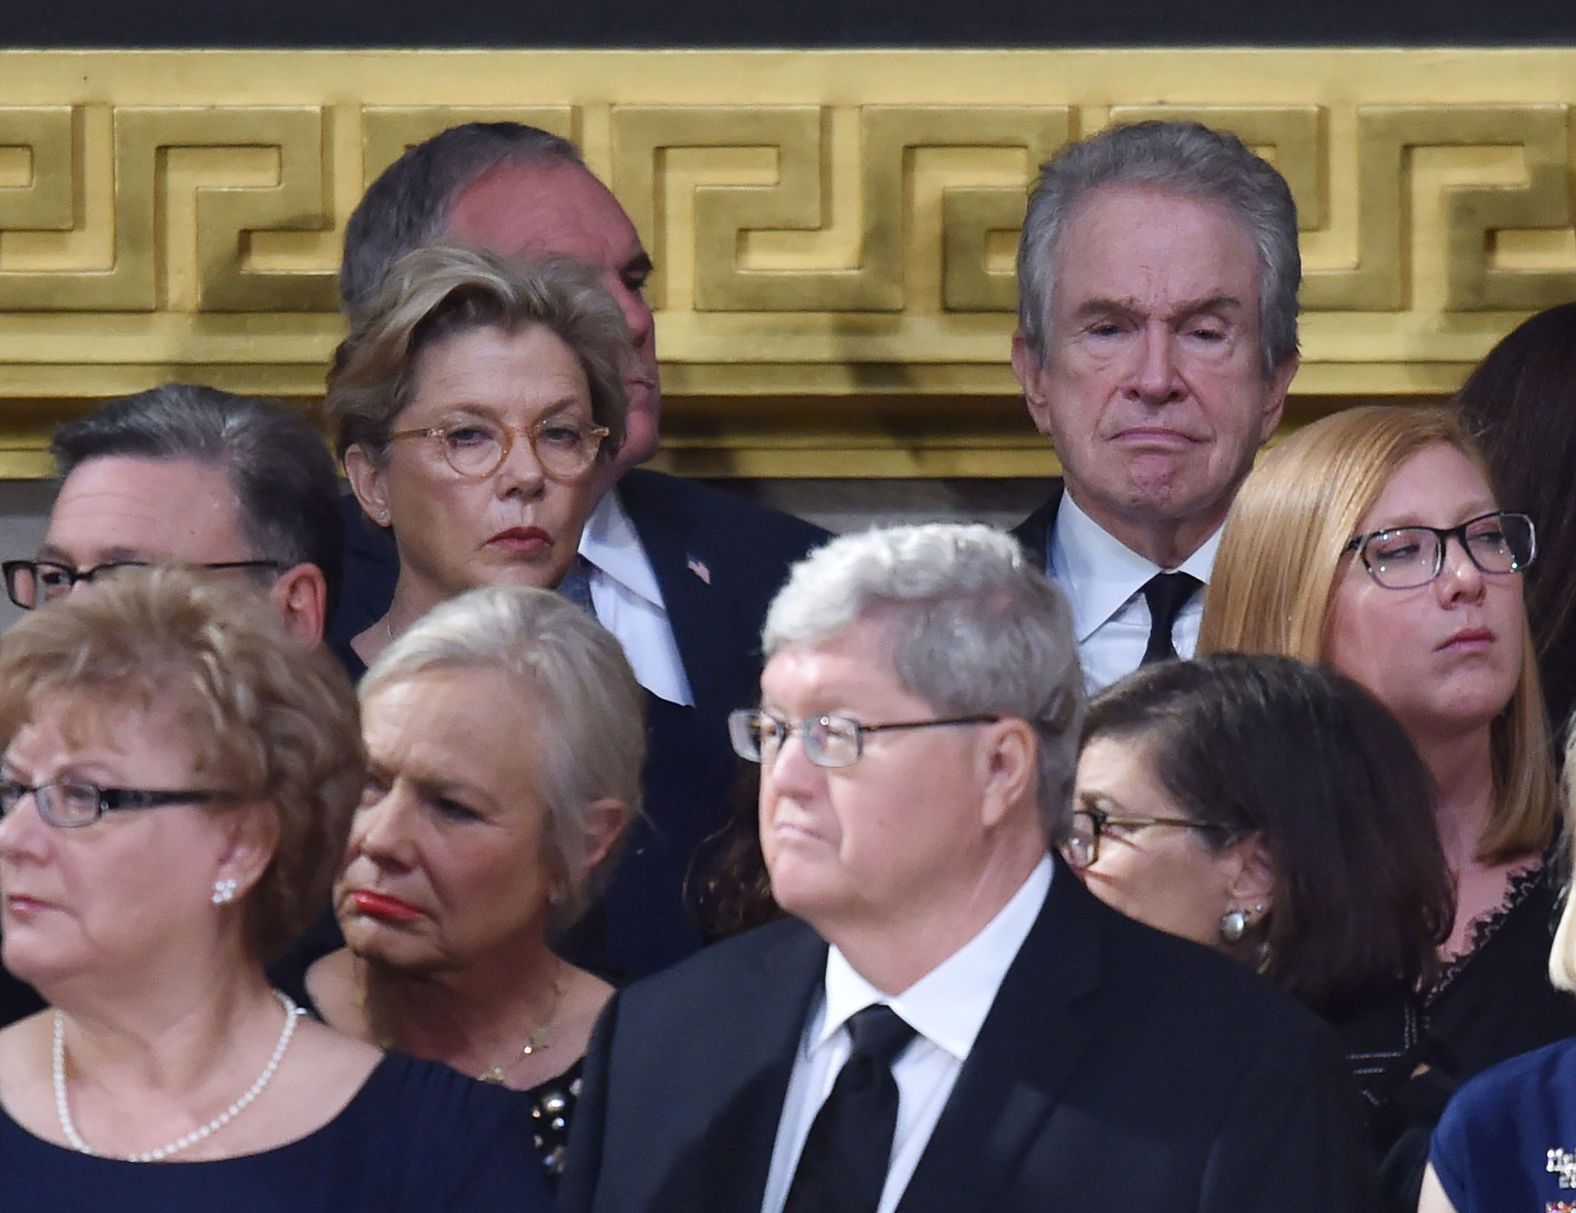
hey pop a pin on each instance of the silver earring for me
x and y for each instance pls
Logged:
(1233, 925)
(224, 891)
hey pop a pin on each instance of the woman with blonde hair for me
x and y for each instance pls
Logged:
(476, 404)
(1373, 541)
(504, 740)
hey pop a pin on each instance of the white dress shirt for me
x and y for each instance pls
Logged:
(1103, 579)
(946, 1008)
(628, 601)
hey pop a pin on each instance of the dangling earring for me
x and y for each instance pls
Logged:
(224, 891)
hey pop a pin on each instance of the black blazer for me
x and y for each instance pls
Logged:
(719, 560)
(1118, 1070)
(1034, 532)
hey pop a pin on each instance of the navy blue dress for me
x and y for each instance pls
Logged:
(417, 1137)
(1507, 1141)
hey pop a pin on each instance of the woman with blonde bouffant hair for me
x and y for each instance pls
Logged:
(1373, 541)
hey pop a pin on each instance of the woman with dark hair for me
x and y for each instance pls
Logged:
(1278, 812)
(1272, 809)
(1520, 404)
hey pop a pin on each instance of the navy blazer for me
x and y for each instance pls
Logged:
(719, 560)
(1119, 1069)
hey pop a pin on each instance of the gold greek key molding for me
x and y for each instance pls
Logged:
(833, 231)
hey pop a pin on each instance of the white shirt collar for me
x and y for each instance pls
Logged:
(1099, 573)
(949, 1004)
(611, 543)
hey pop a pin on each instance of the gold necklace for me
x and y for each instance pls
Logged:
(538, 1041)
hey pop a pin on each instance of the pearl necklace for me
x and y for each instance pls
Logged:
(159, 1154)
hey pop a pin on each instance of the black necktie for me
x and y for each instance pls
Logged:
(1166, 594)
(844, 1164)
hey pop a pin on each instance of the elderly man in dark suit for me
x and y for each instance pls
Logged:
(1157, 335)
(679, 572)
(949, 1022)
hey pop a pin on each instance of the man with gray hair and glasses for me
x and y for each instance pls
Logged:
(948, 1021)
(1157, 336)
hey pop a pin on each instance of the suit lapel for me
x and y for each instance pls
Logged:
(1038, 1028)
(1034, 532)
(757, 1050)
(685, 577)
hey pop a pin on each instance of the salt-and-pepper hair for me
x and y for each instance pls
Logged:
(1181, 158)
(586, 711)
(972, 628)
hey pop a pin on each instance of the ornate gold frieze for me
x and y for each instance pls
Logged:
(833, 230)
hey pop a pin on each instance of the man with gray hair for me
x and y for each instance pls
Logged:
(949, 1021)
(679, 572)
(1157, 336)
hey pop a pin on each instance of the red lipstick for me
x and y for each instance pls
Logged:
(381, 905)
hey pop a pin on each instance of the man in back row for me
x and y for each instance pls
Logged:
(678, 572)
(1157, 336)
(182, 474)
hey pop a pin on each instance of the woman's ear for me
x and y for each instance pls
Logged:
(250, 841)
(368, 483)
(1251, 880)
(605, 820)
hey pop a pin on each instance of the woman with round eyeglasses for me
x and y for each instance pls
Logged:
(475, 402)
(1373, 541)
(177, 779)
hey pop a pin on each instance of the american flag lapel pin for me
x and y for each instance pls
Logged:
(698, 567)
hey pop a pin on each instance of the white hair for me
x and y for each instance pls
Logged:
(973, 628)
(590, 716)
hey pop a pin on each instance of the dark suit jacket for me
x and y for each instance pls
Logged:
(719, 560)
(1034, 532)
(1118, 1070)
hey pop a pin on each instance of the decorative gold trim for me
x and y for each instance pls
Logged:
(829, 226)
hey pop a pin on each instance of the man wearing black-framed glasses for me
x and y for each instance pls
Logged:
(183, 474)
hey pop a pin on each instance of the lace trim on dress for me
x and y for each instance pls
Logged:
(1487, 924)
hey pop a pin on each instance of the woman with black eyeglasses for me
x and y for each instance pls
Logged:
(1273, 810)
(176, 783)
(1373, 541)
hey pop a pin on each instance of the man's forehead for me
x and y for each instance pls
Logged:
(134, 508)
(1141, 237)
(556, 208)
